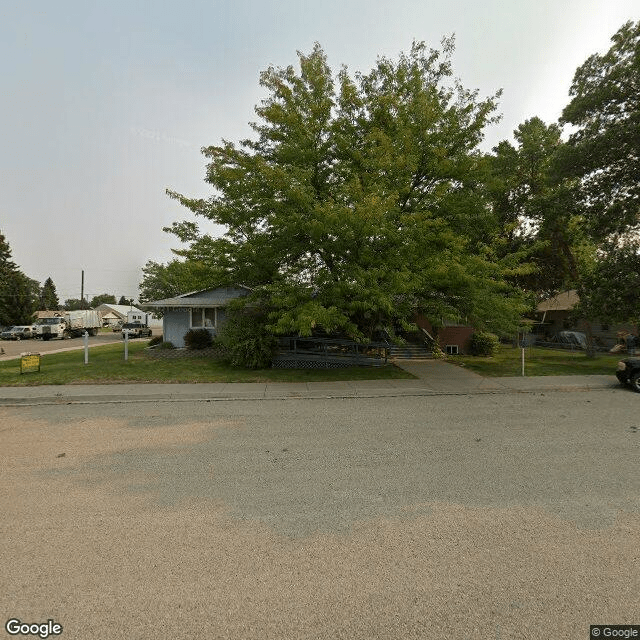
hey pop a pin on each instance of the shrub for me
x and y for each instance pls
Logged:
(155, 340)
(166, 345)
(198, 339)
(244, 340)
(483, 343)
(437, 352)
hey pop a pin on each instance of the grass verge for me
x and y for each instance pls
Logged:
(539, 362)
(107, 366)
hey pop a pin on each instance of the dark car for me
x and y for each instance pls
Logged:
(136, 330)
(628, 372)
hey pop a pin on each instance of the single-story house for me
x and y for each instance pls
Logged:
(114, 313)
(196, 310)
(554, 315)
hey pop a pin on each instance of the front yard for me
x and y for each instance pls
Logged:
(539, 362)
(107, 366)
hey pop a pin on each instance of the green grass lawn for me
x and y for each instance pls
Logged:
(539, 362)
(107, 366)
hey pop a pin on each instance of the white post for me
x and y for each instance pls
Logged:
(126, 344)
(85, 337)
(523, 361)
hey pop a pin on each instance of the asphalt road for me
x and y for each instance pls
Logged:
(479, 517)
(13, 348)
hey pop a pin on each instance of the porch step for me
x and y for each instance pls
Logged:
(409, 352)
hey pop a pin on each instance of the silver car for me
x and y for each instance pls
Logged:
(19, 333)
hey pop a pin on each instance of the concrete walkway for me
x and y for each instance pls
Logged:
(433, 378)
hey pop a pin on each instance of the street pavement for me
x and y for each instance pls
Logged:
(485, 516)
(433, 377)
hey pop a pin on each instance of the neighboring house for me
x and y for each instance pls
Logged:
(554, 315)
(40, 315)
(115, 313)
(453, 338)
(196, 310)
(110, 319)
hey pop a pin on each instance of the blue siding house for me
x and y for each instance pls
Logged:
(195, 310)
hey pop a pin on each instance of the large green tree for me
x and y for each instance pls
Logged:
(538, 209)
(18, 293)
(359, 201)
(604, 149)
(603, 154)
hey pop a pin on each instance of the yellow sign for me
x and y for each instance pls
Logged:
(29, 362)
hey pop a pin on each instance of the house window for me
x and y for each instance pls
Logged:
(210, 317)
(203, 317)
(196, 318)
(452, 349)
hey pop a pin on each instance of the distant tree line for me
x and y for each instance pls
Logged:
(21, 296)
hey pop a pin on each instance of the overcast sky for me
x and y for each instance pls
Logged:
(107, 103)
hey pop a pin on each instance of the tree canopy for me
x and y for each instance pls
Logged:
(538, 209)
(603, 154)
(604, 149)
(18, 293)
(103, 298)
(75, 304)
(359, 201)
(48, 296)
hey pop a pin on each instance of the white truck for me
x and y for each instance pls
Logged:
(69, 324)
(139, 317)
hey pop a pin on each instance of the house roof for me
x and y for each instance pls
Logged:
(564, 301)
(207, 297)
(120, 310)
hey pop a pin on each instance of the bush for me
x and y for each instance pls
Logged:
(244, 340)
(198, 339)
(437, 352)
(483, 344)
(155, 340)
(166, 345)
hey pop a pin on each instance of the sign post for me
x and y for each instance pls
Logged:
(29, 362)
(85, 337)
(126, 344)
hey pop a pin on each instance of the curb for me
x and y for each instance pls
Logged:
(364, 395)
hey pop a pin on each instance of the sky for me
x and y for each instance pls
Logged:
(107, 103)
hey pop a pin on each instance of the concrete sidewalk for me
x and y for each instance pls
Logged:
(433, 378)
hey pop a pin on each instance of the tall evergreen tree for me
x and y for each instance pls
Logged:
(18, 294)
(48, 296)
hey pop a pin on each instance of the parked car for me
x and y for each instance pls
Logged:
(117, 326)
(136, 330)
(22, 332)
(628, 372)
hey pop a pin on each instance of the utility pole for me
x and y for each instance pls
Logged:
(82, 288)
